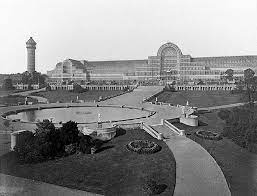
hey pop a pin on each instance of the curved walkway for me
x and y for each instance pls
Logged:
(197, 173)
(27, 93)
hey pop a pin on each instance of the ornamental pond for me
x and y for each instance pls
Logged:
(86, 114)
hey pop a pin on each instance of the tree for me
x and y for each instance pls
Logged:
(7, 84)
(229, 74)
(33, 78)
(250, 84)
(69, 133)
(78, 89)
(200, 82)
(44, 127)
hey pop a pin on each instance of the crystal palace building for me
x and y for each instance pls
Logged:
(170, 64)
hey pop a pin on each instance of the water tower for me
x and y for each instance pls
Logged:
(31, 47)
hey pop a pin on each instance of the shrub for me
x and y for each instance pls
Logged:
(44, 127)
(48, 88)
(6, 123)
(70, 149)
(152, 188)
(224, 114)
(24, 145)
(78, 89)
(85, 143)
(33, 156)
(57, 143)
(69, 133)
(46, 143)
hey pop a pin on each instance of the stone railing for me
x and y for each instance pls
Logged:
(172, 127)
(151, 131)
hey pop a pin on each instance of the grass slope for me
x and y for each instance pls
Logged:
(198, 98)
(113, 171)
(15, 99)
(67, 96)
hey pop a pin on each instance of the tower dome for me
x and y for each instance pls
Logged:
(31, 43)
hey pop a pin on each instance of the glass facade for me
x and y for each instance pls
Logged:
(170, 64)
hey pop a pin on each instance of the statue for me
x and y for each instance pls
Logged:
(99, 117)
(99, 123)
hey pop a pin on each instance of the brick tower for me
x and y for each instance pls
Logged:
(31, 47)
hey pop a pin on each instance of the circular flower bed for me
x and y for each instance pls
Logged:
(143, 147)
(208, 135)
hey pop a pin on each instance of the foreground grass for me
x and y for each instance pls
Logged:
(198, 98)
(238, 165)
(67, 96)
(112, 171)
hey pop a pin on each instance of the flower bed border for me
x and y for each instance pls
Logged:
(153, 147)
(216, 136)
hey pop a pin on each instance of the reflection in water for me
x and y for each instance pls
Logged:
(29, 116)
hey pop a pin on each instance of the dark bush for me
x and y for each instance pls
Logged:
(241, 126)
(170, 88)
(85, 143)
(78, 89)
(57, 143)
(24, 145)
(45, 144)
(224, 114)
(24, 138)
(6, 123)
(70, 149)
(152, 188)
(69, 133)
(44, 127)
(48, 88)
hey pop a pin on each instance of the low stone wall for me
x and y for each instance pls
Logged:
(151, 97)
(191, 120)
(105, 133)
(112, 96)
(129, 126)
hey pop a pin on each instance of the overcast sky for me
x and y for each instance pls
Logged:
(123, 29)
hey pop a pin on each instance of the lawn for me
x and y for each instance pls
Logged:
(237, 164)
(67, 96)
(15, 99)
(112, 171)
(5, 92)
(198, 98)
